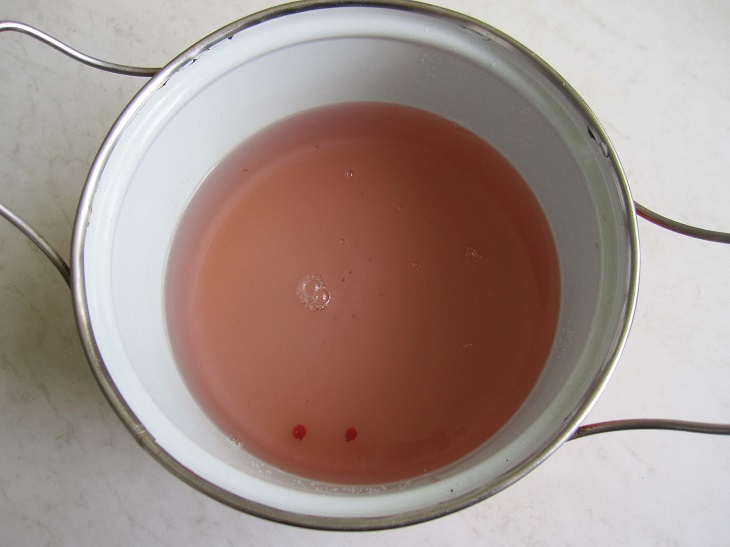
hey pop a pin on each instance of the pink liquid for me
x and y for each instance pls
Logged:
(362, 293)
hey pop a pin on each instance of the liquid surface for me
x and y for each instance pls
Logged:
(362, 293)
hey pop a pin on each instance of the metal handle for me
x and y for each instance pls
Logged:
(671, 425)
(583, 431)
(668, 425)
(52, 254)
(75, 54)
(684, 229)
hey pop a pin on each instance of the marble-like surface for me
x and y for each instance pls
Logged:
(658, 77)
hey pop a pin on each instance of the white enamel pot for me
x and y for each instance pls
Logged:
(293, 58)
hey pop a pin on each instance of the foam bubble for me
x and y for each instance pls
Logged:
(321, 297)
(312, 293)
(471, 252)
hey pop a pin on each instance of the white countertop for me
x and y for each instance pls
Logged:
(657, 76)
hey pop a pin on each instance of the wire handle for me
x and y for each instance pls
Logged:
(47, 39)
(31, 233)
(583, 431)
(684, 229)
(667, 425)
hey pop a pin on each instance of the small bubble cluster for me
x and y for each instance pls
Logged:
(471, 252)
(312, 293)
(349, 174)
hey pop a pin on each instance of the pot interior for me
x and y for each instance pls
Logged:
(265, 68)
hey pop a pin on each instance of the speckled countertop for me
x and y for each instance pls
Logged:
(657, 76)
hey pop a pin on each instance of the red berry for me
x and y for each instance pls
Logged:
(299, 431)
(351, 434)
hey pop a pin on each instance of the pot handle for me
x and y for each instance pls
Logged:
(31, 233)
(52, 254)
(684, 229)
(75, 54)
(583, 431)
(672, 425)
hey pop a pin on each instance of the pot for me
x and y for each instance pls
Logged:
(300, 56)
(293, 58)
